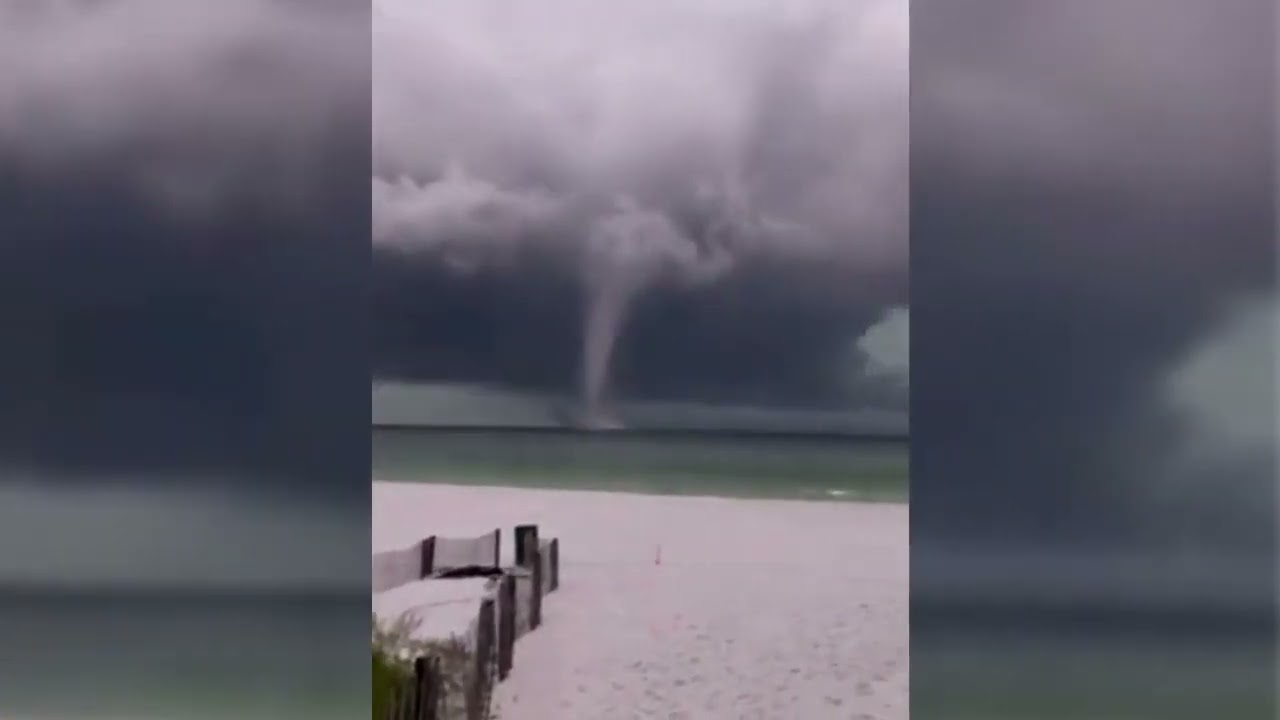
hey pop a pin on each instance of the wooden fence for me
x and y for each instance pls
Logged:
(420, 697)
(512, 608)
(436, 556)
(506, 625)
(479, 691)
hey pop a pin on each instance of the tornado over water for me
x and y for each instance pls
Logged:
(707, 194)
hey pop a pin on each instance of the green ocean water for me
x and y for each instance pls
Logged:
(1092, 676)
(92, 655)
(763, 466)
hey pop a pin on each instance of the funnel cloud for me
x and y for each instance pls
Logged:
(669, 200)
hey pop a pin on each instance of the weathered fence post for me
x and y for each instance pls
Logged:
(544, 559)
(526, 543)
(416, 695)
(428, 557)
(481, 681)
(424, 694)
(555, 564)
(506, 625)
(435, 691)
(535, 592)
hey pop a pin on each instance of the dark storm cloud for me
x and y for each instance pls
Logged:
(179, 237)
(1092, 188)
(718, 187)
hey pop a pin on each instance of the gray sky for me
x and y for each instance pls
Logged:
(725, 182)
(195, 105)
(1092, 196)
(179, 230)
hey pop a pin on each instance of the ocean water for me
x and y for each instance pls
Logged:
(95, 655)
(1117, 632)
(717, 464)
(170, 598)
(1104, 672)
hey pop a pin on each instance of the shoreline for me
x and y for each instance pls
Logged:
(797, 469)
(813, 496)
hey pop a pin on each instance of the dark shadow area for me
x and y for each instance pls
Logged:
(1094, 289)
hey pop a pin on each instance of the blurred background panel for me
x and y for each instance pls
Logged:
(1094, 405)
(184, 504)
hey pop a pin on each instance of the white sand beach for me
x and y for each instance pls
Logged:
(695, 608)
(437, 608)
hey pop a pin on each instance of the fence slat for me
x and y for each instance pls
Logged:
(506, 625)
(393, 568)
(481, 685)
(428, 557)
(535, 592)
(434, 692)
(418, 698)
(555, 564)
(526, 543)
(450, 554)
